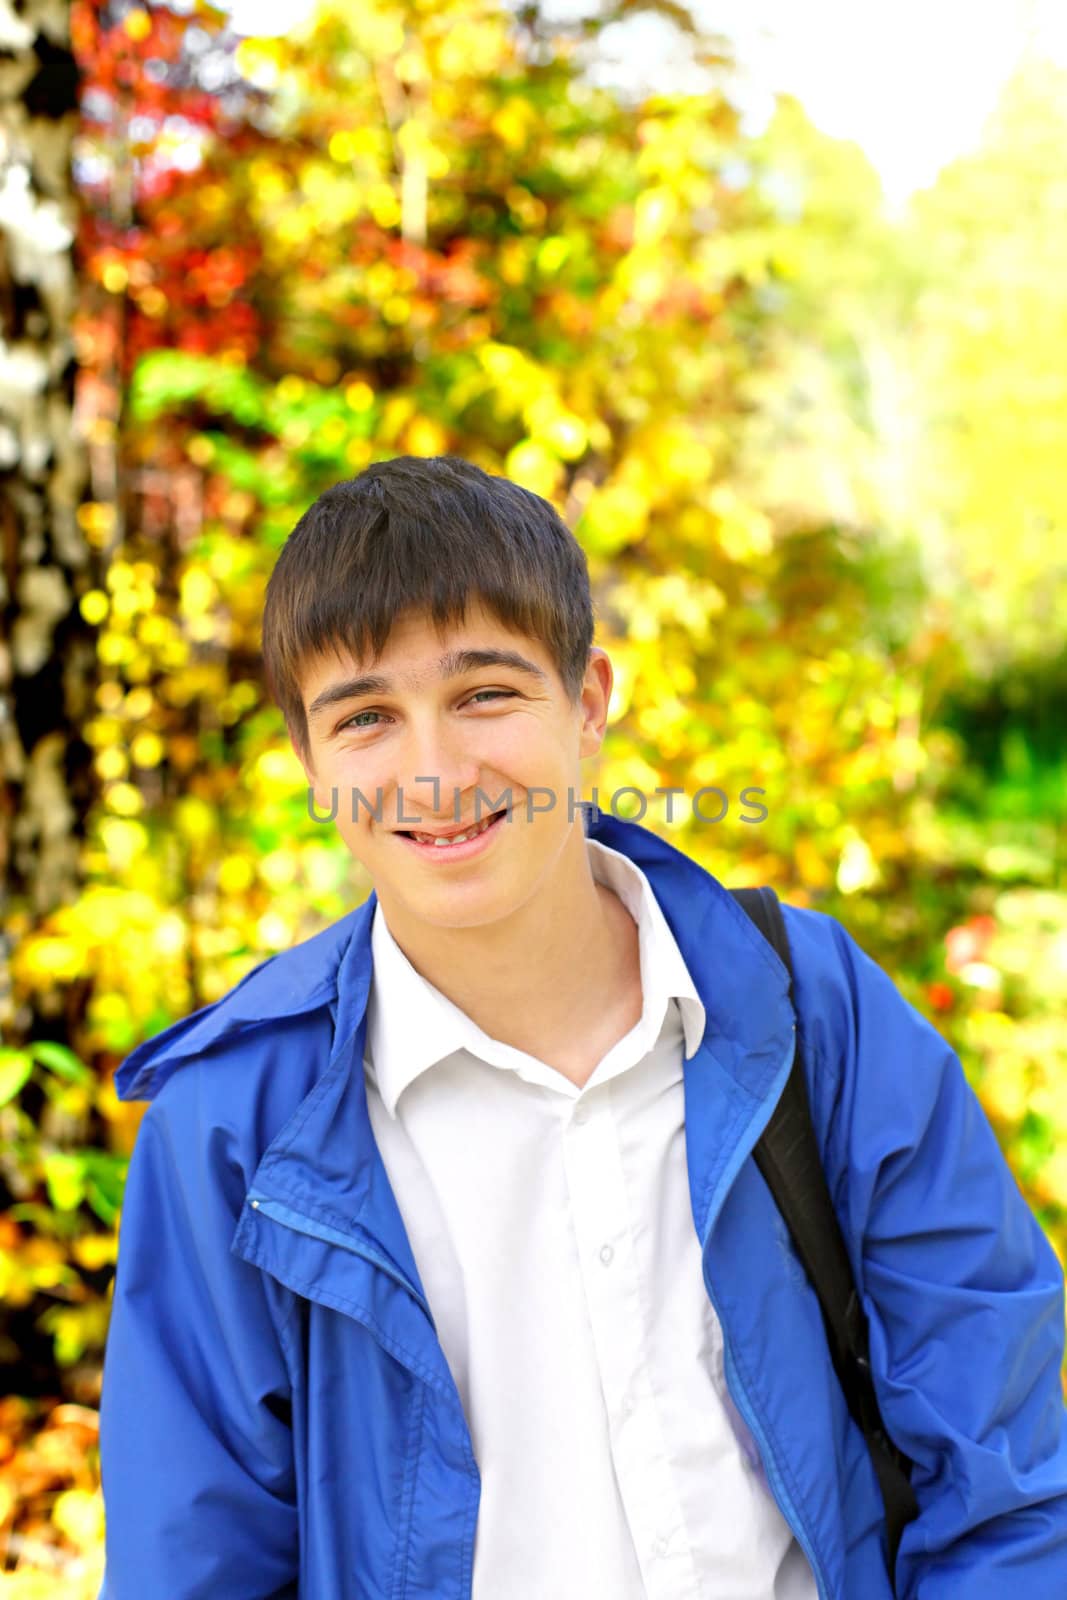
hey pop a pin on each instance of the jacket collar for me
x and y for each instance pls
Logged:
(412, 1026)
(740, 979)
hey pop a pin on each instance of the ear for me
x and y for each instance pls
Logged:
(596, 697)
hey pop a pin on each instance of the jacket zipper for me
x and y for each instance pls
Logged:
(279, 1212)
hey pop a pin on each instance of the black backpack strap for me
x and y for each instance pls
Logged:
(787, 1154)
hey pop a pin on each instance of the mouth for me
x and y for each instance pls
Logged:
(455, 846)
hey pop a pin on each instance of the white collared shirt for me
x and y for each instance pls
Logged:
(554, 1236)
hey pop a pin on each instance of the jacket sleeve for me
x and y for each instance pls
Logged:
(964, 1294)
(196, 1447)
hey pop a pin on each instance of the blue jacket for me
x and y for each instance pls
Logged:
(278, 1418)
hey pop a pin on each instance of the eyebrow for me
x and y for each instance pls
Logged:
(453, 664)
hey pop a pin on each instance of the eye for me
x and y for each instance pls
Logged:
(354, 723)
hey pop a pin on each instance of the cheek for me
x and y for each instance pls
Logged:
(360, 836)
(524, 744)
(362, 777)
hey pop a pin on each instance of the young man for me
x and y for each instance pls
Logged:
(445, 1266)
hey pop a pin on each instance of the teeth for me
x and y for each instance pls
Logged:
(459, 838)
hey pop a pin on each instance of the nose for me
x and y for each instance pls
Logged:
(435, 773)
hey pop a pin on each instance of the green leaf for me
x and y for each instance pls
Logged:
(15, 1068)
(104, 1208)
(105, 1181)
(39, 1215)
(57, 1058)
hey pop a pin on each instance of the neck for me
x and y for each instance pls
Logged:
(560, 978)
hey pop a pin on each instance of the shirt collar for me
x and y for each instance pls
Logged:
(425, 1027)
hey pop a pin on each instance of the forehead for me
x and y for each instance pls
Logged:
(416, 637)
(418, 653)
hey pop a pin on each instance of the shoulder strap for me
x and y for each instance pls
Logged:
(787, 1154)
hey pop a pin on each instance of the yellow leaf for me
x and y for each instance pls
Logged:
(195, 819)
(112, 763)
(28, 1585)
(567, 436)
(94, 1250)
(198, 591)
(531, 465)
(812, 866)
(510, 124)
(359, 395)
(654, 213)
(614, 516)
(147, 750)
(93, 606)
(425, 437)
(235, 874)
(79, 1515)
(124, 800)
(552, 253)
(257, 60)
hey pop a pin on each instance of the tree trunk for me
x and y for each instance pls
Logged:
(47, 652)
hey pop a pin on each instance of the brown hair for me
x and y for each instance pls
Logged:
(429, 533)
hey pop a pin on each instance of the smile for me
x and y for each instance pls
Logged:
(457, 847)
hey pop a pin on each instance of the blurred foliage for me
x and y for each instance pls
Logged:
(416, 228)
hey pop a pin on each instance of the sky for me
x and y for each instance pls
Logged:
(911, 81)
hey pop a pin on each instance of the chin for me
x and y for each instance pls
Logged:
(452, 908)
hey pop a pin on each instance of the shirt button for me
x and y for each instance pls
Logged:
(606, 1253)
(659, 1548)
(581, 1112)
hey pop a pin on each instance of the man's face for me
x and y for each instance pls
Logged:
(505, 728)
